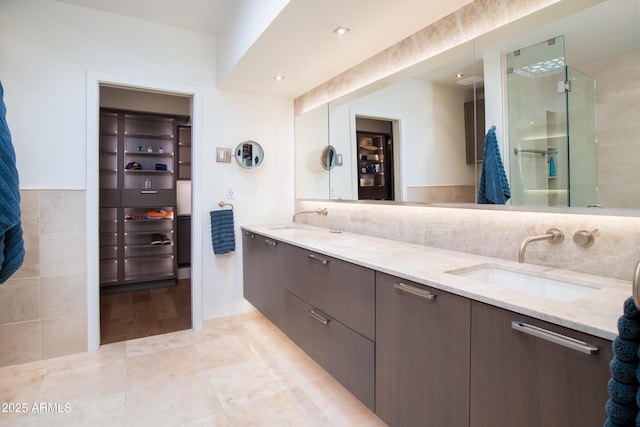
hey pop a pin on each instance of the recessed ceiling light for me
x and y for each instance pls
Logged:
(278, 77)
(341, 31)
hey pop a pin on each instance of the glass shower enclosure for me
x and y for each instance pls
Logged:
(552, 128)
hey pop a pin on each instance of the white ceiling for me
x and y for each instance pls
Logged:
(299, 43)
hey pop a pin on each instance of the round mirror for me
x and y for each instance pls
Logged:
(328, 157)
(249, 154)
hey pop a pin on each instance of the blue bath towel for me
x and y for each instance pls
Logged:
(11, 241)
(624, 400)
(223, 236)
(626, 350)
(494, 187)
(628, 328)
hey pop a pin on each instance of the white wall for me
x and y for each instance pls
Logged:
(46, 50)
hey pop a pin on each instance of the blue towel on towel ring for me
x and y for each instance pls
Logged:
(11, 240)
(223, 235)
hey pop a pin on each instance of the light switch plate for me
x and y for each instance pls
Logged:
(223, 155)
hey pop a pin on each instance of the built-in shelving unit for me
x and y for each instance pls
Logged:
(137, 197)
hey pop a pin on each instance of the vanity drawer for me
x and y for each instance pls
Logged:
(342, 290)
(345, 354)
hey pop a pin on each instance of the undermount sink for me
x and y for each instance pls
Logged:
(545, 287)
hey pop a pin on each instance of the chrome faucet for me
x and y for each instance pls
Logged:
(553, 235)
(319, 211)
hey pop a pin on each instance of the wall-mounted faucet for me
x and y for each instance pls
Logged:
(553, 235)
(319, 211)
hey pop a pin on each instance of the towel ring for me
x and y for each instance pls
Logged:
(223, 204)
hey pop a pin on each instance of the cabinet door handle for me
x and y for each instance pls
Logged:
(422, 293)
(318, 259)
(271, 242)
(248, 234)
(556, 338)
(320, 318)
(148, 191)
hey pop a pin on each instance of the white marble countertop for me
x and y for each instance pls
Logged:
(596, 314)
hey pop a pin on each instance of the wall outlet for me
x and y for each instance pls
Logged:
(231, 192)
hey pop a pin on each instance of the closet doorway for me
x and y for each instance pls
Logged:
(145, 213)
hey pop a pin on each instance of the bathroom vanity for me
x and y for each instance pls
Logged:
(415, 342)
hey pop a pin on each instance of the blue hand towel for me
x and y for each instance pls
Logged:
(623, 372)
(624, 394)
(628, 329)
(624, 398)
(223, 236)
(11, 241)
(494, 187)
(625, 350)
(621, 414)
(630, 309)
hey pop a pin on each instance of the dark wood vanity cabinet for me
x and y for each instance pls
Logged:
(422, 354)
(330, 309)
(342, 352)
(342, 290)
(523, 380)
(264, 269)
(419, 356)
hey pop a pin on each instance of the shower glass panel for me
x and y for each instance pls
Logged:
(581, 105)
(552, 128)
(538, 143)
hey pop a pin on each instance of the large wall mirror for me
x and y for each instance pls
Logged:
(562, 91)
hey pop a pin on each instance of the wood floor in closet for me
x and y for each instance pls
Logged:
(135, 314)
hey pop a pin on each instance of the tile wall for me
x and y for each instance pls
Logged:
(43, 307)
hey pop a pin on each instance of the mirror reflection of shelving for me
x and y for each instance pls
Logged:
(373, 167)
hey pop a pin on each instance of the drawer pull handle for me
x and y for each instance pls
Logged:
(148, 191)
(271, 242)
(248, 234)
(320, 318)
(413, 290)
(556, 338)
(318, 259)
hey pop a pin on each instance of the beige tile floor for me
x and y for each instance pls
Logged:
(240, 371)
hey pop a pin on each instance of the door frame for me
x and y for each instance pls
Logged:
(94, 81)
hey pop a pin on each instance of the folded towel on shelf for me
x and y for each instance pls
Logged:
(223, 235)
(11, 240)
